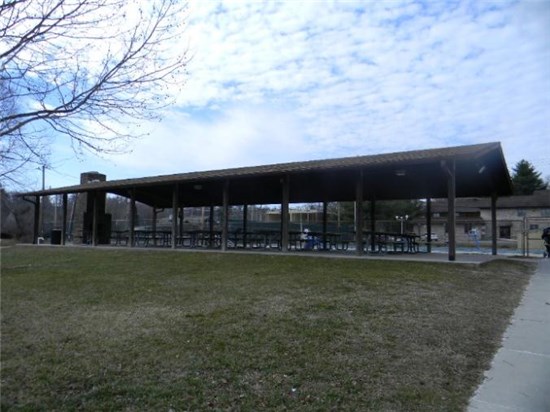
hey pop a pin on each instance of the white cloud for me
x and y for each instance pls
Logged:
(291, 80)
(234, 137)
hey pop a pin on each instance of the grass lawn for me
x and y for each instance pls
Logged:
(86, 329)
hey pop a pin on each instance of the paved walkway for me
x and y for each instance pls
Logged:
(519, 378)
(467, 258)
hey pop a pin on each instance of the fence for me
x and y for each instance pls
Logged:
(530, 239)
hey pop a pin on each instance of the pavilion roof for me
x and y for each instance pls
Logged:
(480, 171)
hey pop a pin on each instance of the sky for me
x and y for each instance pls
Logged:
(273, 82)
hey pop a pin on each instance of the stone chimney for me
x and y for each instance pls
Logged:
(91, 177)
(84, 210)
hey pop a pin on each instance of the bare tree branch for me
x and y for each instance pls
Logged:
(82, 69)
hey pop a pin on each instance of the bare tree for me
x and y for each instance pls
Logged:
(84, 69)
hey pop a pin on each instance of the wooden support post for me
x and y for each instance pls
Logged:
(285, 215)
(154, 224)
(175, 199)
(225, 216)
(494, 245)
(373, 225)
(64, 220)
(451, 218)
(182, 219)
(429, 225)
(359, 214)
(132, 222)
(245, 225)
(211, 227)
(325, 223)
(95, 217)
(36, 226)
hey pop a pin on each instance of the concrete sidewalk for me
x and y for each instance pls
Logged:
(519, 377)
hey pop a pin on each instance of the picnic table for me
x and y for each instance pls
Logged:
(399, 242)
(200, 238)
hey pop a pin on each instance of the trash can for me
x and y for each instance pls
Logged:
(55, 238)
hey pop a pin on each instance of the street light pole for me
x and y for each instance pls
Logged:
(402, 219)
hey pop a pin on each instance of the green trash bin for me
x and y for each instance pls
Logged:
(55, 237)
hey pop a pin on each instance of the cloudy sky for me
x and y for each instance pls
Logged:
(295, 80)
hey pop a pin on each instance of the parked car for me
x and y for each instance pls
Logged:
(435, 238)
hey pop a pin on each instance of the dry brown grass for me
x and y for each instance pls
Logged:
(134, 330)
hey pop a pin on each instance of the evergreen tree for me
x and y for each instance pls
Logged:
(526, 179)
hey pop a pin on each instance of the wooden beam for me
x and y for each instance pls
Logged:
(359, 214)
(154, 224)
(64, 219)
(429, 225)
(95, 217)
(175, 199)
(325, 222)
(373, 224)
(494, 237)
(225, 215)
(285, 215)
(211, 227)
(132, 221)
(245, 225)
(450, 168)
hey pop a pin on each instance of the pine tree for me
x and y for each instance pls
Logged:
(526, 179)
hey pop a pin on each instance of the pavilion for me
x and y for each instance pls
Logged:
(462, 171)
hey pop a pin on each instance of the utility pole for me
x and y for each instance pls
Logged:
(42, 201)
